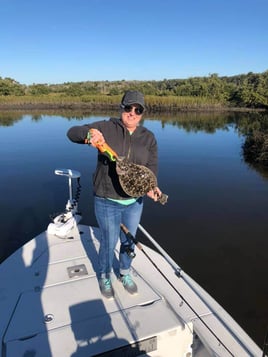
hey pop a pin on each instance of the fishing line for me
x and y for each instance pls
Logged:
(139, 246)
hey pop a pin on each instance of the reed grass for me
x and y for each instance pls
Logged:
(153, 103)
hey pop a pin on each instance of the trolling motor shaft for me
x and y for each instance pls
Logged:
(71, 174)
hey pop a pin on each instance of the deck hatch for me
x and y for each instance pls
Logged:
(77, 270)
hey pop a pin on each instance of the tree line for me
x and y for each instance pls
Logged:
(245, 90)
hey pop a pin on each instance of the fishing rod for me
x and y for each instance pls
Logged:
(265, 344)
(180, 273)
(140, 247)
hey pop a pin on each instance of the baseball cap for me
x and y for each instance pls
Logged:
(132, 97)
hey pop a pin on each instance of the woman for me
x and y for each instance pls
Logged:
(112, 205)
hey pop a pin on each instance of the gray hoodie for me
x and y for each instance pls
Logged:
(139, 148)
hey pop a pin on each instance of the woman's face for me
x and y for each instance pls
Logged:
(131, 116)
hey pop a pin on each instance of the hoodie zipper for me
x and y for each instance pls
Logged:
(130, 144)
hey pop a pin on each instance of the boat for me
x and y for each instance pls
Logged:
(51, 304)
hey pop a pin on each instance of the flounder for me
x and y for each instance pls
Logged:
(136, 180)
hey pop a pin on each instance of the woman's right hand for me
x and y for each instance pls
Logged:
(96, 137)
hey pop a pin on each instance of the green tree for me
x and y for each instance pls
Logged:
(9, 86)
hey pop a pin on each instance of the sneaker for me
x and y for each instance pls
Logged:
(106, 288)
(128, 284)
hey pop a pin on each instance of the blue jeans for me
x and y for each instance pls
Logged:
(109, 215)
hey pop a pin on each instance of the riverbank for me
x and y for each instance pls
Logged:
(104, 108)
(170, 104)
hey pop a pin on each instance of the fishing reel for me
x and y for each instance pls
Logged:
(130, 251)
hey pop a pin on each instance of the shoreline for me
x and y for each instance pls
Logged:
(112, 107)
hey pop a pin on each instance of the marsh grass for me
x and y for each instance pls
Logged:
(153, 103)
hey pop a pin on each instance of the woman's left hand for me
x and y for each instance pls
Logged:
(154, 194)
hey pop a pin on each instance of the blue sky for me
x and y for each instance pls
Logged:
(56, 41)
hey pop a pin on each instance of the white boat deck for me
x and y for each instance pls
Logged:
(51, 305)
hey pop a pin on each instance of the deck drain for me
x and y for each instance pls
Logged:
(48, 318)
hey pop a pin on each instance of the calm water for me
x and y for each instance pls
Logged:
(214, 225)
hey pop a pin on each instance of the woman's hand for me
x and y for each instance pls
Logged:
(154, 194)
(96, 137)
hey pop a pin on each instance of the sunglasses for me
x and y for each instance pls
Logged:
(138, 110)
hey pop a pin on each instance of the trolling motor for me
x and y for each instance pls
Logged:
(63, 223)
